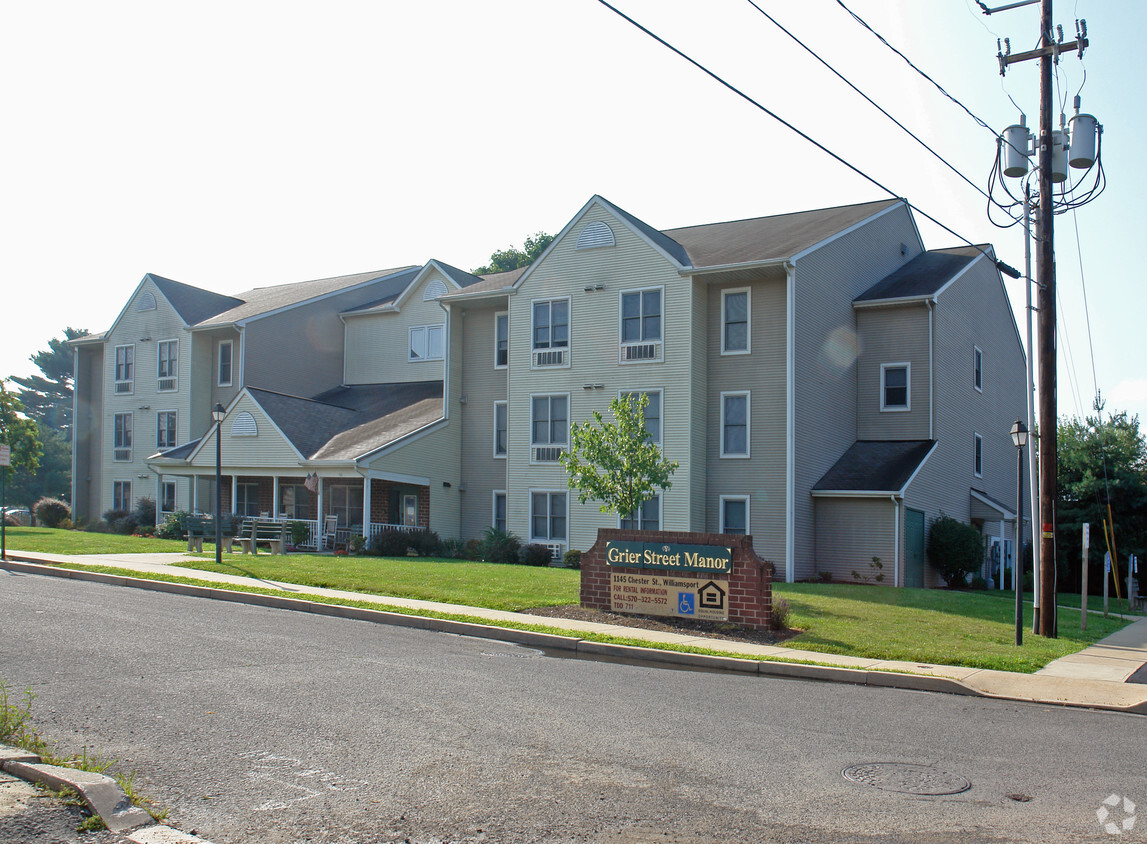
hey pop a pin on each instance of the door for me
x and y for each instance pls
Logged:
(914, 548)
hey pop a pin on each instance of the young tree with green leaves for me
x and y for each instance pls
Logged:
(19, 433)
(512, 258)
(616, 463)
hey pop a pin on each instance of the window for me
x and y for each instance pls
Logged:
(549, 427)
(165, 429)
(295, 502)
(168, 369)
(735, 322)
(346, 503)
(124, 369)
(501, 425)
(548, 516)
(409, 510)
(652, 413)
(735, 514)
(645, 517)
(978, 457)
(640, 325)
(121, 495)
(498, 520)
(551, 332)
(895, 381)
(426, 342)
(977, 369)
(225, 363)
(501, 340)
(122, 431)
(735, 424)
(247, 499)
(167, 497)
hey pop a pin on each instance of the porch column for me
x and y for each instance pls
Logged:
(194, 493)
(275, 506)
(366, 507)
(1003, 562)
(234, 491)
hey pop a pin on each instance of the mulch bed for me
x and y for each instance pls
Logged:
(720, 630)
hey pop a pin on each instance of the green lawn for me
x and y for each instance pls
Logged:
(927, 626)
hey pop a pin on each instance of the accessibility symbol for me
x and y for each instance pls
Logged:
(685, 604)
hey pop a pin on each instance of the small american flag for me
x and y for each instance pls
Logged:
(312, 482)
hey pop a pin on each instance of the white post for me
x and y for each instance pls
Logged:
(275, 497)
(1083, 589)
(234, 491)
(366, 508)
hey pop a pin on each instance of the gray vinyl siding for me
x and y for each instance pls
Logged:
(973, 311)
(850, 532)
(699, 410)
(825, 371)
(594, 341)
(298, 351)
(763, 373)
(893, 335)
(87, 427)
(483, 385)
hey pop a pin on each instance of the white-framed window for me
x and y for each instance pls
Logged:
(549, 427)
(734, 514)
(121, 495)
(247, 499)
(735, 416)
(409, 509)
(295, 501)
(498, 516)
(548, 515)
(978, 456)
(895, 386)
(735, 327)
(645, 517)
(427, 342)
(977, 368)
(167, 497)
(167, 368)
(346, 503)
(501, 340)
(165, 428)
(501, 428)
(550, 330)
(640, 325)
(122, 436)
(125, 369)
(652, 412)
(225, 350)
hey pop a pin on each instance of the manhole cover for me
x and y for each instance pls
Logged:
(906, 778)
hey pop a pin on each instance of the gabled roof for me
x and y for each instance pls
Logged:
(493, 283)
(922, 277)
(776, 238)
(348, 422)
(179, 452)
(390, 292)
(880, 466)
(664, 240)
(193, 304)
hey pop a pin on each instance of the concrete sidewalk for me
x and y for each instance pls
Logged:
(1094, 677)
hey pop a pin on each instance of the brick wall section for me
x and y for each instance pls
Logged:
(380, 502)
(750, 582)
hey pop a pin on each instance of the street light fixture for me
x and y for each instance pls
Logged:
(217, 413)
(1019, 439)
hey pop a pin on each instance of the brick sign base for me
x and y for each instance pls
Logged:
(750, 582)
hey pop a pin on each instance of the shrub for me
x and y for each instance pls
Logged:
(955, 549)
(357, 544)
(173, 525)
(500, 546)
(390, 543)
(453, 548)
(779, 619)
(571, 559)
(537, 555)
(52, 511)
(300, 533)
(144, 513)
(120, 521)
(425, 542)
(978, 583)
(473, 549)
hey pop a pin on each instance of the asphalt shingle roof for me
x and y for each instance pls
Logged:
(875, 466)
(924, 275)
(193, 304)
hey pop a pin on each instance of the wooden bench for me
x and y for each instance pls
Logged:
(256, 531)
(197, 528)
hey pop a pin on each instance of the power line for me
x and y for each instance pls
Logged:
(869, 100)
(1003, 267)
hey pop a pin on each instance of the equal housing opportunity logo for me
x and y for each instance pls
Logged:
(1116, 814)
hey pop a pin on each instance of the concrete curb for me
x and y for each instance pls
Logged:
(765, 668)
(102, 794)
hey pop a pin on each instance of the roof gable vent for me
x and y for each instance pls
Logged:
(145, 302)
(433, 290)
(595, 234)
(244, 425)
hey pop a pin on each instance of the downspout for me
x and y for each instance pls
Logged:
(242, 381)
(75, 427)
(790, 422)
(895, 542)
(931, 371)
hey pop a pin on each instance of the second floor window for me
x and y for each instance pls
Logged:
(501, 340)
(551, 332)
(734, 322)
(977, 369)
(549, 427)
(122, 436)
(652, 414)
(641, 325)
(978, 456)
(734, 424)
(426, 342)
(225, 363)
(501, 429)
(124, 368)
(168, 370)
(165, 429)
(895, 380)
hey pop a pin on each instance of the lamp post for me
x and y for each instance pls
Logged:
(1020, 439)
(217, 413)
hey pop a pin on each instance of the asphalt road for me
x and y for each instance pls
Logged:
(259, 725)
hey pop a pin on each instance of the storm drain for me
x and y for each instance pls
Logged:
(906, 778)
(523, 653)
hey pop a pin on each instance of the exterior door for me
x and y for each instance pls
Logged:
(914, 548)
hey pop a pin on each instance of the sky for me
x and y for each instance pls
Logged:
(239, 144)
